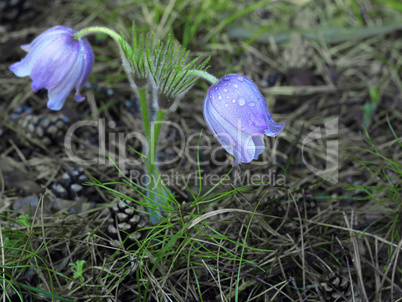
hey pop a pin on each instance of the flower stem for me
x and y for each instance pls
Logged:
(156, 128)
(145, 114)
(98, 29)
(121, 42)
(203, 74)
(156, 192)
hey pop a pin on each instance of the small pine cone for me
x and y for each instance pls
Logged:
(127, 217)
(71, 187)
(337, 288)
(47, 128)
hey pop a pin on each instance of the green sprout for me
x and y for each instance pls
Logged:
(77, 269)
(23, 220)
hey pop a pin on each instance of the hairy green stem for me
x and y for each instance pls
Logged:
(156, 192)
(99, 29)
(145, 114)
(203, 74)
(121, 42)
(156, 128)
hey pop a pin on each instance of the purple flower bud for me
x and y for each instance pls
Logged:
(57, 62)
(237, 114)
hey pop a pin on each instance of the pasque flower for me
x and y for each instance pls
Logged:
(57, 62)
(237, 114)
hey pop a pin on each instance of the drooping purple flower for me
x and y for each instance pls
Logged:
(57, 62)
(237, 114)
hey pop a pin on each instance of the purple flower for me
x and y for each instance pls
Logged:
(57, 62)
(237, 114)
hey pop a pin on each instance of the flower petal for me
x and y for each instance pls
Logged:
(236, 97)
(51, 32)
(58, 62)
(237, 114)
(213, 122)
(26, 47)
(273, 128)
(54, 62)
(259, 145)
(88, 60)
(24, 67)
(244, 147)
(58, 95)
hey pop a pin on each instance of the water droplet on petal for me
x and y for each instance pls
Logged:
(235, 86)
(226, 79)
(241, 101)
(226, 105)
(240, 79)
(252, 104)
(219, 97)
(225, 90)
(233, 101)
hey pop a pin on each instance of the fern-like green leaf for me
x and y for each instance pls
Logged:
(162, 63)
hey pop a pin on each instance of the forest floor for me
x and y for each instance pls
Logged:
(316, 218)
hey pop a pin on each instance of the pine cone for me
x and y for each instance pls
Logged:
(47, 128)
(337, 288)
(127, 217)
(71, 187)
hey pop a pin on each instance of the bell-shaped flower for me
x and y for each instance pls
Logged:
(57, 62)
(237, 114)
